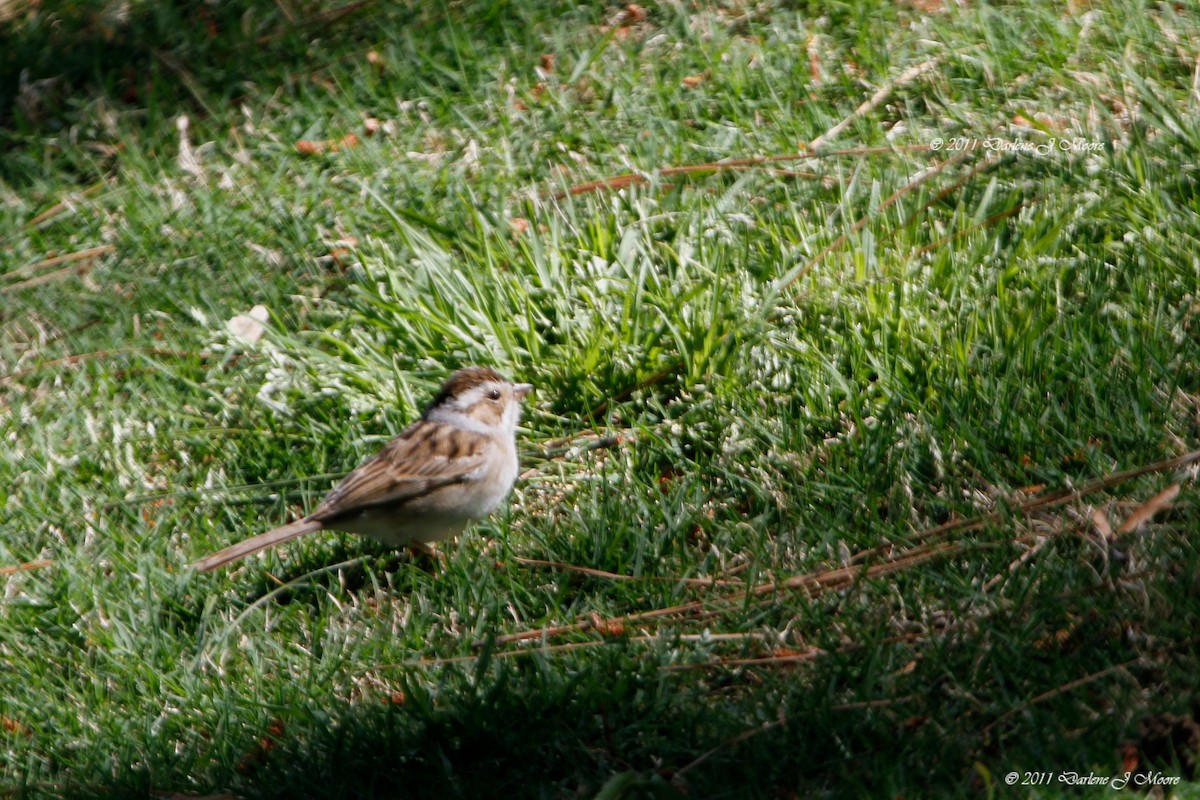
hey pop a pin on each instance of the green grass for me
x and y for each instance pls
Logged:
(750, 375)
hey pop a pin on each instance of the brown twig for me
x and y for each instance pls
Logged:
(1049, 500)
(626, 393)
(1020, 561)
(694, 609)
(616, 576)
(626, 179)
(1147, 510)
(566, 647)
(736, 740)
(904, 78)
(638, 179)
(785, 657)
(895, 197)
(1061, 497)
(987, 223)
(987, 165)
(85, 256)
(324, 18)
(79, 358)
(63, 205)
(26, 567)
(817, 582)
(518, 652)
(1056, 691)
(559, 452)
(65, 272)
(287, 10)
(882, 702)
(814, 583)
(812, 153)
(928, 548)
(561, 447)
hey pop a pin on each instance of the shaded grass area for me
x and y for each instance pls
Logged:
(745, 376)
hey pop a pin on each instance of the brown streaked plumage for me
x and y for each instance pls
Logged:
(453, 465)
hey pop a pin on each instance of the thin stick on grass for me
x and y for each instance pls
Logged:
(987, 223)
(691, 610)
(86, 256)
(785, 657)
(626, 179)
(1039, 503)
(566, 647)
(818, 582)
(882, 702)
(1020, 561)
(652, 380)
(732, 742)
(60, 207)
(903, 79)
(616, 576)
(557, 452)
(79, 358)
(895, 197)
(815, 583)
(782, 721)
(1149, 509)
(987, 165)
(322, 19)
(1058, 690)
(26, 567)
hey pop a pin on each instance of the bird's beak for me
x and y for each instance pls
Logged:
(522, 389)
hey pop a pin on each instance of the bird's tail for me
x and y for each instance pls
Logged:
(245, 547)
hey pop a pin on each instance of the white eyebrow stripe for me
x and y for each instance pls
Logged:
(470, 397)
(461, 419)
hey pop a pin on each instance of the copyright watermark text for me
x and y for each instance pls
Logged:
(1090, 779)
(1054, 144)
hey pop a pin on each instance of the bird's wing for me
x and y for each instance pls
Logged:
(426, 456)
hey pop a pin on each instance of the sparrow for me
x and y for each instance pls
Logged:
(454, 465)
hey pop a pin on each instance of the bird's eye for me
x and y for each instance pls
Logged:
(494, 394)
